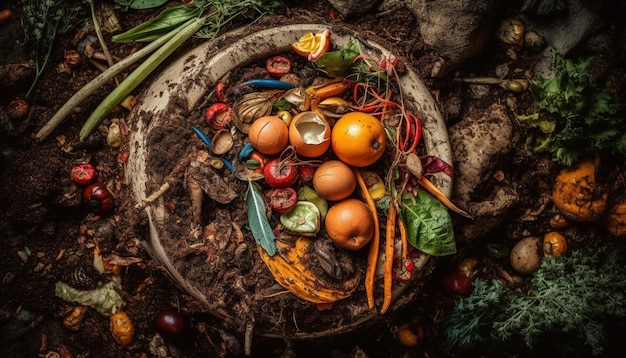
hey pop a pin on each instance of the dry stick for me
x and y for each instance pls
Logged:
(96, 83)
(105, 49)
(372, 256)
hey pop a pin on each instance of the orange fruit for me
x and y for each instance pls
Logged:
(269, 135)
(309, 133)
(350, 224)
(312, 46)
(358, 139)
(334, 180)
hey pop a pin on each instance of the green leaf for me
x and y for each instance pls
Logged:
(259, 224)
(167, 20)
(337, 63)
(141, 4)
(429, 225)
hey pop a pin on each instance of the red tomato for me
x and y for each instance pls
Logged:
(83, 174)
(98, 198)
(283, 200)
(458, 283)
(278, 66)
(280, 174)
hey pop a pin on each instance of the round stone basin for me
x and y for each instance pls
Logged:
(227, 277)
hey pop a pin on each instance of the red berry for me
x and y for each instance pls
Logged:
(458, 283)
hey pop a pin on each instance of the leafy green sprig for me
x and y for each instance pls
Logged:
(42, 22)
(574, 296)
(574, 116)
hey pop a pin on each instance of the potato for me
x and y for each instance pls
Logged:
(526, 255)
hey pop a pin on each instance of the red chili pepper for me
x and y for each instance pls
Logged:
(278, 66)
(409, 138)
(219, 91)
(83, 174)
(218, 115)
(98, 198)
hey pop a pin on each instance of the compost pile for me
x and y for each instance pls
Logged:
(477, 295)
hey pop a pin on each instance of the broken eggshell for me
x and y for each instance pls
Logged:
(309, 133)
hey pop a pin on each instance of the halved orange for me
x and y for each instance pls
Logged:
(312, 45)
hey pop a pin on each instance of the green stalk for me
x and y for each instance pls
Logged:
(96, 83)
(138, 75)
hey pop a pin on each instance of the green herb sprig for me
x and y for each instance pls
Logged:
(574, 116)
(43, 21)
(572, 296)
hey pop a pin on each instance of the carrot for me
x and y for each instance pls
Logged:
(389, 245)
(431, 188)
(372, 256)
(403, 238)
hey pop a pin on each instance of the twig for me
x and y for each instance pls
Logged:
(105, 49)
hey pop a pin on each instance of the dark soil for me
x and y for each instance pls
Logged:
(46, 232)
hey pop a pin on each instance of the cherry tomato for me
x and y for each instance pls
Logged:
(83, 174)
(457, 283)
(283, 200)
(278, 66)
(98, 198)
(280, 174)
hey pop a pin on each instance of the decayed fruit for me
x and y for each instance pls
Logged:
(83, 174)
(334, 180)
(290, 271)
(269, 135)
(576, 194)
(280, 173)
(350, 224)
(98, 198)
(122, 328)
(554, 244)
(616, 218)
(303, 219)
(283, 200)
(278, 66)
(307, 193)
(311, 45)
(358, 139)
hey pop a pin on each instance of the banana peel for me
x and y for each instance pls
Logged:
(290, 271)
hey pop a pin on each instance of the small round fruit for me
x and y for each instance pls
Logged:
(334, 180)
(359, 139)
(309, 133)
(172, 325)
(457, 283)
(269, 135)
(526, 255)
(350, 224)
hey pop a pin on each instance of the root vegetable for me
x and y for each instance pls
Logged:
(526, 255)
(576, 193)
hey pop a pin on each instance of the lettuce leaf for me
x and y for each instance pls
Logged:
(428, 224)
